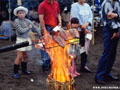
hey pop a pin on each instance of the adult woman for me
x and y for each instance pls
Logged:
(82, 11)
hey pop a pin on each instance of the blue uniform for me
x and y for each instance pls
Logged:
(110, 45)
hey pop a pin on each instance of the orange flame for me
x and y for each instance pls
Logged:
(60, 60)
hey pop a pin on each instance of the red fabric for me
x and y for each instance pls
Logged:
(49, 11)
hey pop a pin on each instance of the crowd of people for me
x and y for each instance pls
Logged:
(80, 22)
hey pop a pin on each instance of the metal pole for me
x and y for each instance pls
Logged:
(93, 40)
(9, 10)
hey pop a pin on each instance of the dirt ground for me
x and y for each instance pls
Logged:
(83, 82)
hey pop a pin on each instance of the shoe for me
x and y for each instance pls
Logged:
(85, 69)
(24, 68)
(73, 75)
(26, 72)
(77, 73)
(16, 76)
(102, 82)
(111, 78)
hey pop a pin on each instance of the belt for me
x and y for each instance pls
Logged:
(50, 26)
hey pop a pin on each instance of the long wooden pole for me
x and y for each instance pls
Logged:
(93, 28)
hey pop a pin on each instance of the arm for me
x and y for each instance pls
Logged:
(116, 11)
(59, 16)
(73, 12)
(69, 23)
(42, 23)
(35, 28)
(110, 15)
(59, 20)
(20, 29)
(89, 20)
(109, 11)
(42, 12)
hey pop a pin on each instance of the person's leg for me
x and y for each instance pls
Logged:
(108, 75)
(105, 55)
(45, 57)
(107, 59)
(16, 64)
(46, 60)
(24, 64)
(83, 67)
(74, 68)
(82, 42)
(19, 57)
(25, 56)
(101, 69)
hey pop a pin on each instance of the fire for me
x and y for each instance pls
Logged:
(60, 58)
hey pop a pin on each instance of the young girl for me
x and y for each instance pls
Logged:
(23, 26)
(73, 47)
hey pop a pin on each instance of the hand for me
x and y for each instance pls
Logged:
(84, 26)
(41, 43)
(115, 35)
(30, 26)
(86, 31)
(111, 15)
(40, 37)
(68, 26)
(44, 31)
(59, 24)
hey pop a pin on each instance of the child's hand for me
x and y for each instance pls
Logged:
(30, 26)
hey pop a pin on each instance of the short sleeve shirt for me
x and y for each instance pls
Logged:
(49, 11)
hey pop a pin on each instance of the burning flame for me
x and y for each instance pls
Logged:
(60, 59)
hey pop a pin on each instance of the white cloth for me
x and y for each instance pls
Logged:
(87, 44)
(28, 48)
(88, 38)
(82, 50)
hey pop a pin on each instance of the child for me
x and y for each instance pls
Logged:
(23, 26)
(73, 48)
